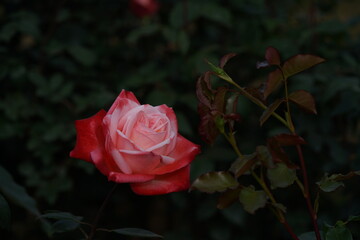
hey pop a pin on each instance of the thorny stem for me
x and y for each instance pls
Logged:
(307, 193)
(101, 209)
(305, 188)
(279, 214)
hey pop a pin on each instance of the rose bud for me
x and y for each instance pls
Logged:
(143, 8)
(137, 144)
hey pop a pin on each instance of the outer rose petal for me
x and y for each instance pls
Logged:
(123, 94)
(125, 178)
(183, 153)
(89, 136)
(141, 162)
(167, 183)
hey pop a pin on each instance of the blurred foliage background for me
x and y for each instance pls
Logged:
(64, 60)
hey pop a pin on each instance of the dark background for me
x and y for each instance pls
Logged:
(65, 60)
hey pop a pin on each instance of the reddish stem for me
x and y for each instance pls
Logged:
(289, 229)
(307, 194)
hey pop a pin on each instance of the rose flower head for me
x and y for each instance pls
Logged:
(143, 8)
(137, 144)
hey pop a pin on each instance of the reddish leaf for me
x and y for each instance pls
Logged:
(243, 164)
(273, 82)
(288, 139)
(229, 197)
(270, 110)
(276, 143)
(304, 100)
(226, 58)
(219, 100)
(207, 128)
(272, 56)
(299, 63)
(203, 89)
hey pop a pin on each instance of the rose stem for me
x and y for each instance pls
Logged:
(306, 192)
(99, 212)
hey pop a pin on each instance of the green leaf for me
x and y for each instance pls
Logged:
(183, 42)
(252, 199)
(219, 72)
(263, 154)
(243, 164)
(5, 214)
(309, 236)
(272, 56)
(339, 232)
(216, 13)
(16, 193)
(136, 232)
(304, 100)
(62, 216)
(142, 31)
(281, 176)
(331, 183)
(270, 110)
(353, 218)
(299, 63)
(214, 182)
(64, 225)
(273, 82)
(82, 55)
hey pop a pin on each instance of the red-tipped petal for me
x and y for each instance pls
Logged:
(129, 178)
(167, 183)
(184, 153)
(89, 136)
(124, 94)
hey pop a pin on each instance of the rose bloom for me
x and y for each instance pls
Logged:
(137, 144)
(143, 8)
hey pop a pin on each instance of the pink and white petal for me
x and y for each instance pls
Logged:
(123, 142)
(123, 95)
(162, 184)
(89, 136)
(184, 153)
(99, 159)
(129, 178)
(141, 162)
(170, 115)
(123, 107)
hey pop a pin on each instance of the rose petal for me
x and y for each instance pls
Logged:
(167, 183)
(183, 153)
(167, 160)
(120, 161)
(126, 178)
(123, 142)
(89, 136)
(141, 162)
(113, 120)
(123, 95)
(100, 162)
(170, 114)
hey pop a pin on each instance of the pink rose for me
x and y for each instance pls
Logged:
(143, 8)
(137, 144)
